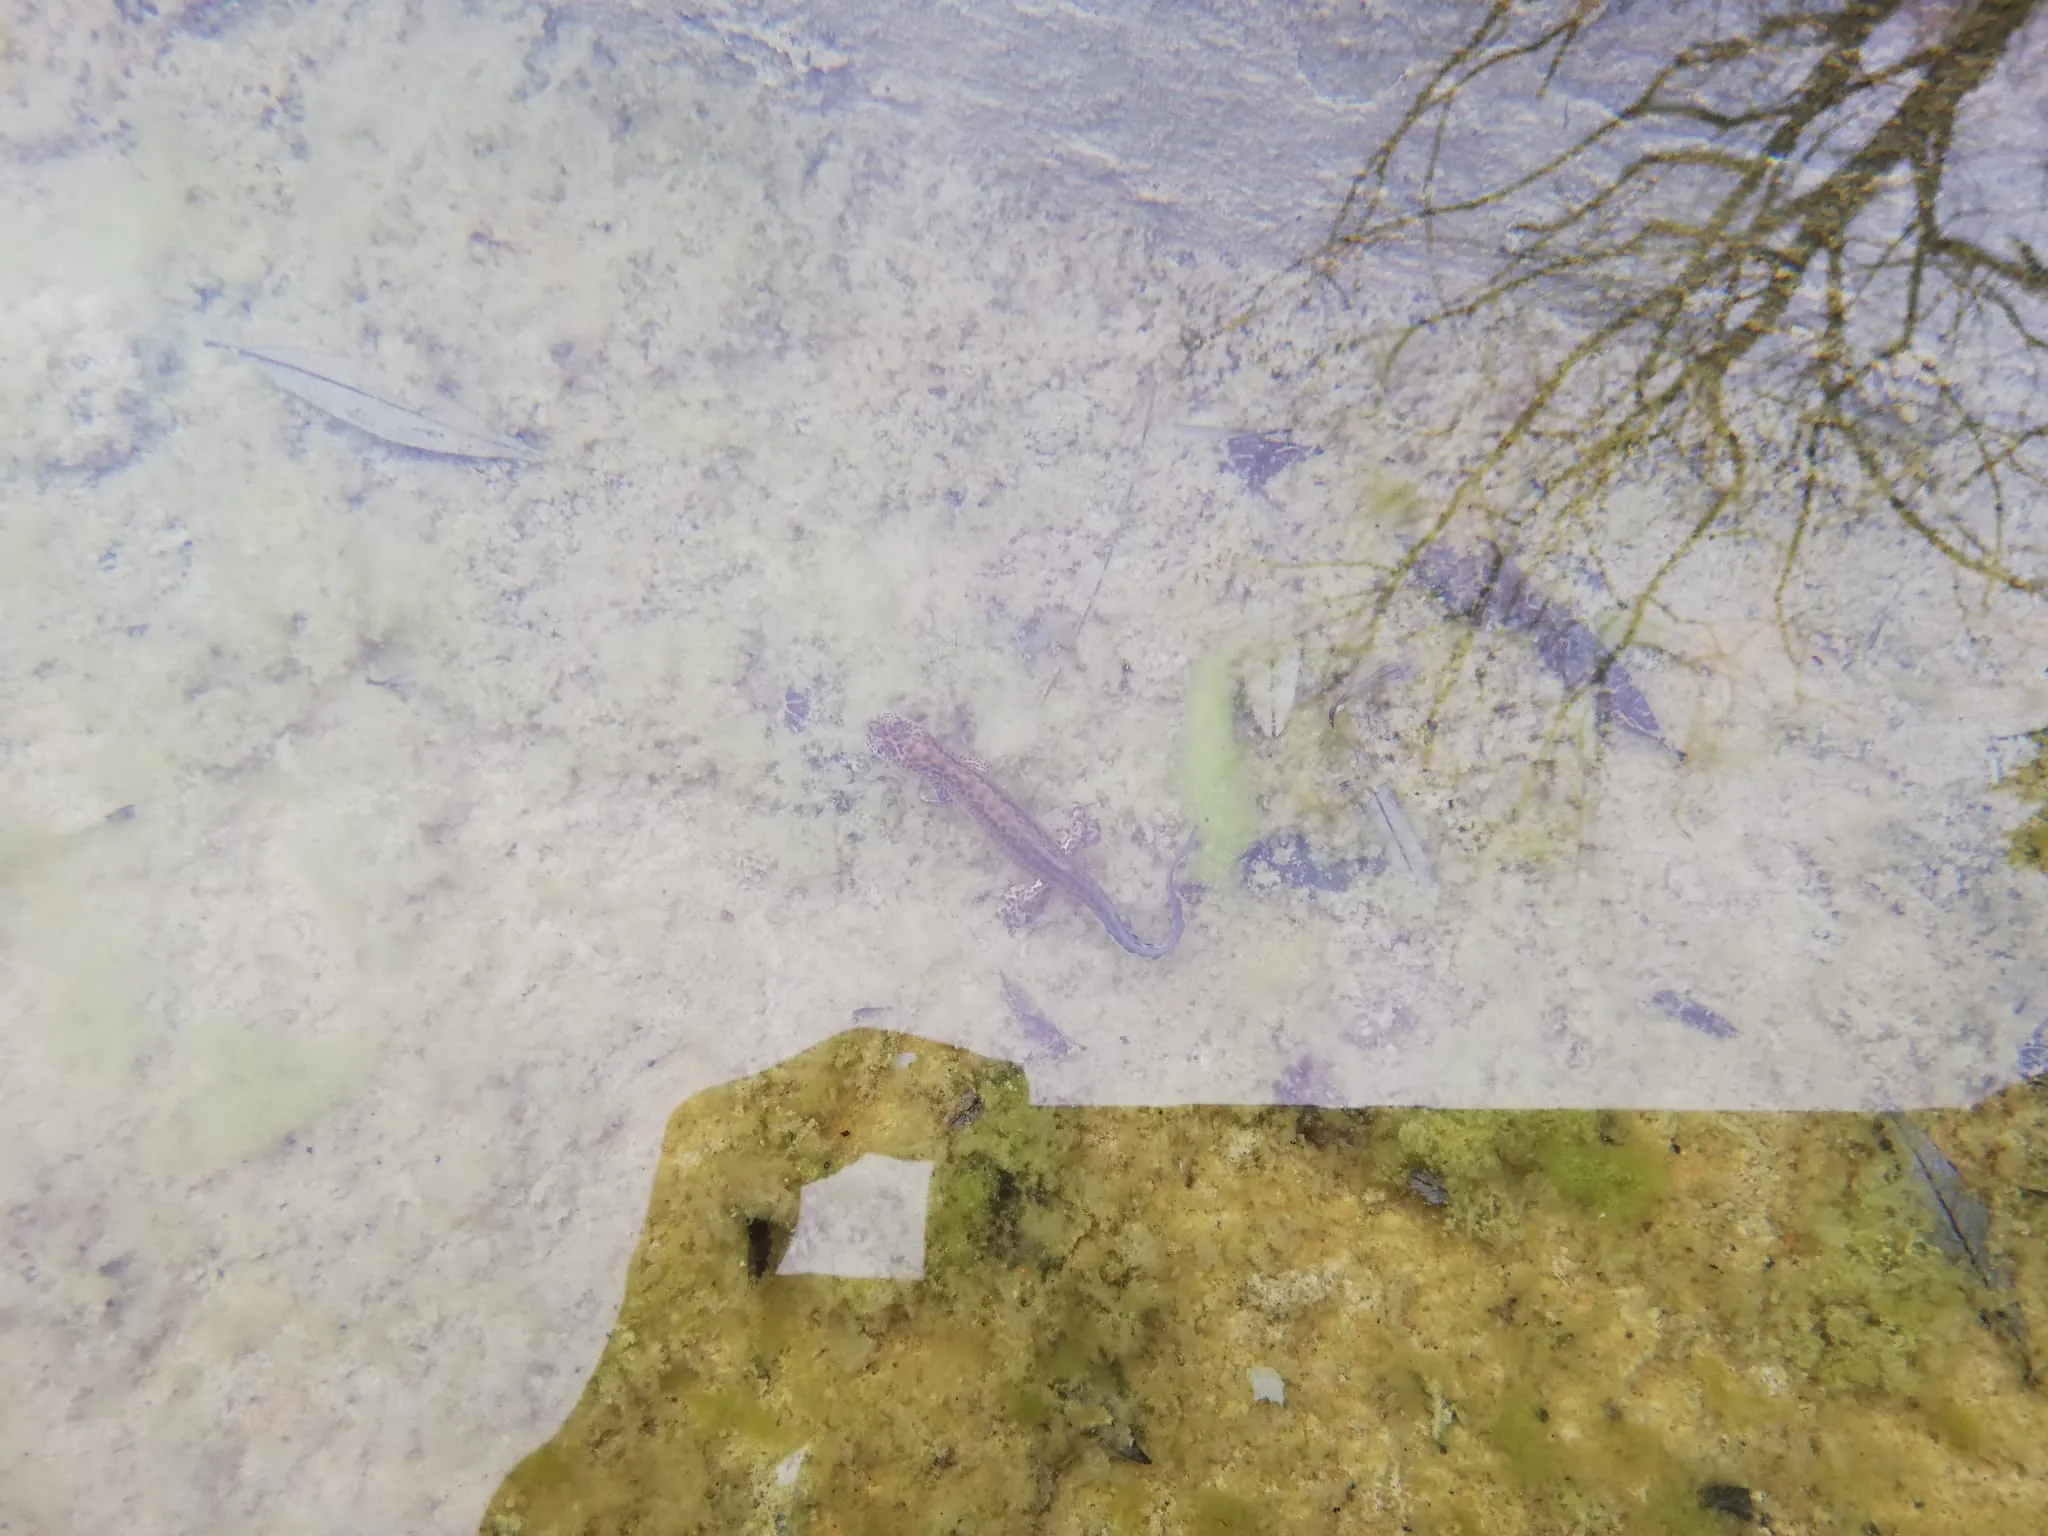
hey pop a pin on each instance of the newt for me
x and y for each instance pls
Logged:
(1047, 859)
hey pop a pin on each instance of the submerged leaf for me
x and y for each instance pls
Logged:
(1041, 1031)
(337, 387)
(1962, 1226)
(1406, 846)
(1692, 1014)
(1486, 588)
(1271, 685)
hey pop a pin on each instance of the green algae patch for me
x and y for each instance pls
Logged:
(1496, 1168)
(2030, 782)
(1224, 1514)
(1596, 1164)
(1498, 1322)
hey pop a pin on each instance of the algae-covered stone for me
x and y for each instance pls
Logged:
(2029, 843)
(1656, 1319)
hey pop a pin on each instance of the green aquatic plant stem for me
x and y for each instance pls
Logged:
(1214, 781)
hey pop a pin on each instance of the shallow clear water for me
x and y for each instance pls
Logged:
(469, 479)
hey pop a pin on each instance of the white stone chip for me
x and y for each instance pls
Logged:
(1267, 1387)
(787, 1468)
(865, 1222)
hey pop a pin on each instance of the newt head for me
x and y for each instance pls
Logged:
(902, 741)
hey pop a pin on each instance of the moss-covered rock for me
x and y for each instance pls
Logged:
(1494, 1323)
(2030, 782)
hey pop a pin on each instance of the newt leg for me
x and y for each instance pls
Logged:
(1021, 904)
(1083, 830)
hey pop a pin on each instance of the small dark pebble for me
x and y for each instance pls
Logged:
(1429, 1184)
(1676, 1005)
(126, 813)
(1257, 457)
(760, 1241)
(1286, 857)
(1728, 1499)
(796, 709)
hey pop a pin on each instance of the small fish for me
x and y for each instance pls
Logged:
(1676, 1005)
(1013, 829)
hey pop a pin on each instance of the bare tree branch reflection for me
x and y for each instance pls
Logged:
(1776, 276)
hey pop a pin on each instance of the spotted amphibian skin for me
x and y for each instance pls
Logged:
(1047, 859)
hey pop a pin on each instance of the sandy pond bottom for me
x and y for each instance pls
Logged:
(389, 842)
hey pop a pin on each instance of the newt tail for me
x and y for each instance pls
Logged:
(1048, 860)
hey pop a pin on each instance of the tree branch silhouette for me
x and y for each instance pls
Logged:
(1771, 300)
